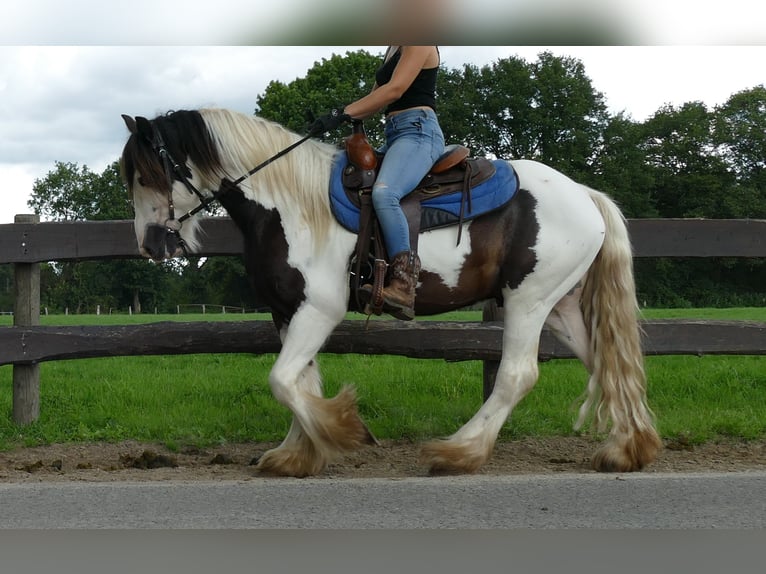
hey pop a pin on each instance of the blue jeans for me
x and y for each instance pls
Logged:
(414, 141)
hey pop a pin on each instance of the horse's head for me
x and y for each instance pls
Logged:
(157, 165)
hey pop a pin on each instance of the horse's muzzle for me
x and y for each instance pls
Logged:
(160, 242)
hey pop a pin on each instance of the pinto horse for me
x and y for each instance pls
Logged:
(557, 254)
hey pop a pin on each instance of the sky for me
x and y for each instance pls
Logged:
(68, 70)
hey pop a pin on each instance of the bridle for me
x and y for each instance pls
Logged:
(174, 170)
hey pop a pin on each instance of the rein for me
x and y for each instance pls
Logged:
(171, 167)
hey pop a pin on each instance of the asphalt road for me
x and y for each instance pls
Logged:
(567, 501)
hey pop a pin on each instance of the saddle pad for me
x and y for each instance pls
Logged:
(439, 211)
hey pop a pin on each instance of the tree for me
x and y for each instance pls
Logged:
(73, 193)
(487, 108)
(330, 83)
(568, 113)
(690, 179)
(691, 163)
(547, 110)
(740, 133)
(620, 168)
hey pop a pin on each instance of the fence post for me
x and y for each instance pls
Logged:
(491, 312)
(26, 313)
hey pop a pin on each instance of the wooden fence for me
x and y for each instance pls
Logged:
(26, 243)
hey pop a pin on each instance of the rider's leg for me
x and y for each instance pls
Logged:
(414, 142)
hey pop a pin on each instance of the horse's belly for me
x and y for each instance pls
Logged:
(444, 283)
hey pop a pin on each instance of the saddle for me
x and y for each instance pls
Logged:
(453, 172)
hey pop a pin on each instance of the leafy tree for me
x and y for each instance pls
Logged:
(330, 83)
(620, 168)
(568, 113)
(693, 177)
(487, 108)
(689, 178)
(741, 129)
(218, 281)
(546, 110)
(740, 133)
(68, 193)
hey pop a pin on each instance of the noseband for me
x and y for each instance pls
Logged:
(174, 170)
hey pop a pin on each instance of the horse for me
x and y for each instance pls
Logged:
(557, 255)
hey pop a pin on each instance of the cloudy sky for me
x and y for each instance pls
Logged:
(63, 87)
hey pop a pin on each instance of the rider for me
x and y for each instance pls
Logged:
(405, 86)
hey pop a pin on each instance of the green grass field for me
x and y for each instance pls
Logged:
(213, 399)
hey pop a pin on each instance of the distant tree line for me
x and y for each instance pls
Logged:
(682, 162)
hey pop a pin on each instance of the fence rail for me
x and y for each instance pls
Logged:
(26, 243)
(30, 242)
(448, 340)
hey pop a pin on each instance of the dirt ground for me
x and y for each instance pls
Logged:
(134, 461)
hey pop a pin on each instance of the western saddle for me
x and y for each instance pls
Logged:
(453, 172)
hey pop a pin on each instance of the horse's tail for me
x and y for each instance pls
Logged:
(617, 385)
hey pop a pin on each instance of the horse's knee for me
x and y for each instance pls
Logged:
(282, 389)
(285, 386)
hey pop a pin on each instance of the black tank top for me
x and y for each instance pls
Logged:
(422, 91)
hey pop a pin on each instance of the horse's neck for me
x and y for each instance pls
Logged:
(248, 215)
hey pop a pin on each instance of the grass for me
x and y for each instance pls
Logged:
(211, 399)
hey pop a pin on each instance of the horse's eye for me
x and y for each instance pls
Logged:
(141, 181)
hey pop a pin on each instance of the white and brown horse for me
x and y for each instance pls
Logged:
(557, 254)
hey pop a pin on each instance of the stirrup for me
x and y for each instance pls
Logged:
(372, 295)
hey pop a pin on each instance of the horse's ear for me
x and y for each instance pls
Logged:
(131, 123)
(144, 128)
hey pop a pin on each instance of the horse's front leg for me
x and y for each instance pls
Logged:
(296, 446)
(322, 429)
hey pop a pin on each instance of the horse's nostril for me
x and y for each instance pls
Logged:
(154, 241)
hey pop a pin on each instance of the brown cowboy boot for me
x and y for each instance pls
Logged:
(399, 295)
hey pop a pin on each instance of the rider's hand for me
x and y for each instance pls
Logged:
(328, 122)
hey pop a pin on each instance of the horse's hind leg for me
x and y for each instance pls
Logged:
(322, 428)
(567, 324)
(471, 446)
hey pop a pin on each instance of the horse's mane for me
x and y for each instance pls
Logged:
(295, 183)
(220, 143)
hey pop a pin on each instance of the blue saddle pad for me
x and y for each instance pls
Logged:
(439, 211)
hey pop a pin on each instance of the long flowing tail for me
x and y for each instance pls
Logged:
(617, 386)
